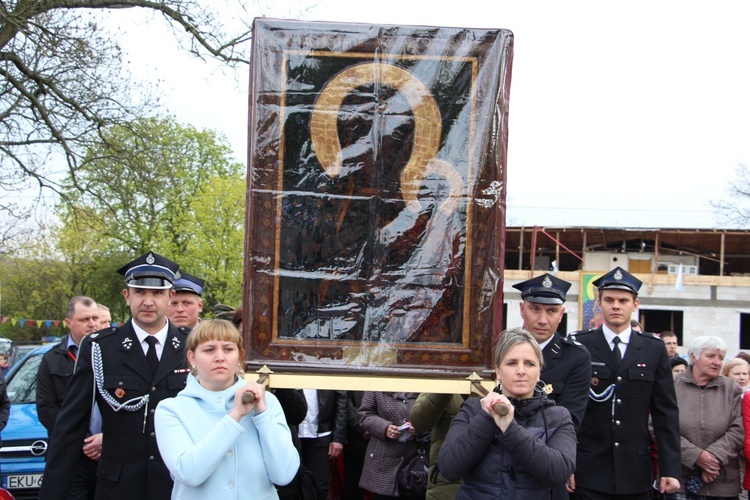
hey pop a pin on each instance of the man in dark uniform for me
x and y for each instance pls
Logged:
(565, 372)
(630, 377)
(55, 370)
(567, 363)
(186, 304)
(128, 370)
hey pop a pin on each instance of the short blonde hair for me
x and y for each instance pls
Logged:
(732, 363)
(216, 329)
(511, 338)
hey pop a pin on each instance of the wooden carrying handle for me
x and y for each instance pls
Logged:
(249, 397)
(499, 408)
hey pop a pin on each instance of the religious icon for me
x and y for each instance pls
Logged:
(372, 149)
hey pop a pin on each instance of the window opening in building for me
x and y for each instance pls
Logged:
(657, 321)
(744, 331)
(505, 316)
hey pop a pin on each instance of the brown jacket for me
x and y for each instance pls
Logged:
(711, 420)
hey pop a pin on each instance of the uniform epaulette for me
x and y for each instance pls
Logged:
(104, 333)
(572, 341)
(573, 335)
(648, 335)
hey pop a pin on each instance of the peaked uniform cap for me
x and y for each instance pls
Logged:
(185, 282)
(618, 279)
(544, 289)
(150, 270)
(223, 311)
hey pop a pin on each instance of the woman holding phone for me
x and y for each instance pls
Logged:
(385, 415)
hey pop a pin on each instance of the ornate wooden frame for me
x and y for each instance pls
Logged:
(445, 180)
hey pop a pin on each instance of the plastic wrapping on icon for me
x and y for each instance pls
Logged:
(376, 193)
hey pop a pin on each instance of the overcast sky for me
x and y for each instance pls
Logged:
(622, 113)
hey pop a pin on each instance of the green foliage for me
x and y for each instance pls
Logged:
(70, 109)
(35, 286)
(92, 258)
(156, 185)
(215, 219)
(163, 186)
(141, 180)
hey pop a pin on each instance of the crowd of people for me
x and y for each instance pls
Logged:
(158, 408)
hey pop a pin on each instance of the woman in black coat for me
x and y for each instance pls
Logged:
(528, 453)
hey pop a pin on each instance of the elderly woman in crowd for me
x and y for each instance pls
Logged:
(710, 424)
(215, 443)
(528, 453)
(737, 370)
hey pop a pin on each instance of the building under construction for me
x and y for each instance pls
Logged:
(695, 281)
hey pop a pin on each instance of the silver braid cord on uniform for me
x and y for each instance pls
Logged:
(134, 404)
(603, 396)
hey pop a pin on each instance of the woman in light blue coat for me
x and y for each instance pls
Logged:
(214, 445)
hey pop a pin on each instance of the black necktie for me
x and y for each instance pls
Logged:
(151, 357)
(73, 352)
(616, 351)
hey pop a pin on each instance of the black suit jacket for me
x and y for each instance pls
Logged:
(613, 441)
(567, 375)
(130, 465)
(52, 379)
(332, 414)
(4, 404)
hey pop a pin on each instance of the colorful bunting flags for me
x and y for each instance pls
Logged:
(39, 323)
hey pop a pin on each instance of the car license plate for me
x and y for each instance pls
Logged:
(22, 481)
